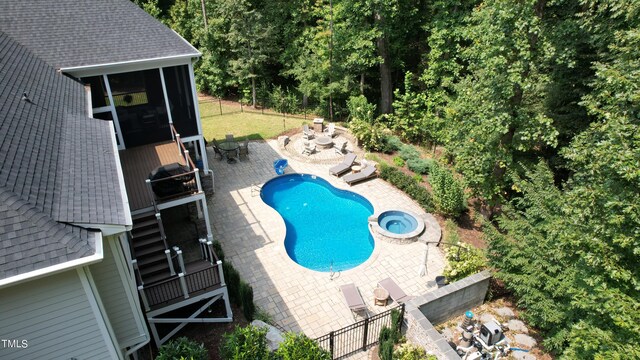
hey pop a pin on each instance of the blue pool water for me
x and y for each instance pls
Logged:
(325, 225)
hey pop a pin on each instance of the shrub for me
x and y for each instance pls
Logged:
(360, 109)
(418, 178)
(232, 278)
(408, 152)
(396, 323)
(462, 261)
(409, 185)
(411, 352)
(182, 347)
(420, 166)
(217, 247)
(394, 143)
(448, 193)
(246, 298)
(370, 137)
(386, 340)
(245, 343)
(283, 101)
(300, 347)
(398, 161)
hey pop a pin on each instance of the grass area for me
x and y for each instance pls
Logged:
(242, 124)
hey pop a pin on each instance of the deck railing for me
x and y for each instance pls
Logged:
(358, 336)
(189, 181)
(180, 287)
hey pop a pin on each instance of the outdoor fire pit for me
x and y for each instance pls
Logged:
(324, 142)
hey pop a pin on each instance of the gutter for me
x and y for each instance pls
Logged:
(58, 268)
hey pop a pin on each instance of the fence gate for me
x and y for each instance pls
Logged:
(358, 336)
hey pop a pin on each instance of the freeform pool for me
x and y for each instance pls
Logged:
(327, 228)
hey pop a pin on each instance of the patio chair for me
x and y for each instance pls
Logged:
(395, 292)
(243, 150)
(330, 130)
(229, 138)
(344, 166)
(309, 148)
(368, 172)
(354, 300)
(307, 133)
(341, 149)
(216, 149)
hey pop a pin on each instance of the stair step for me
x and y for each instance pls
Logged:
(156, 277)
(155, 248)
(145, 232)
(150, 214)
(150, 259)
(144, 223)
(140, 243)
(153, 269)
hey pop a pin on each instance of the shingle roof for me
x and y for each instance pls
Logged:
(70, 33)
(57, 166)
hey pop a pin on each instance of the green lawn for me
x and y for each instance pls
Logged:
(242, 124)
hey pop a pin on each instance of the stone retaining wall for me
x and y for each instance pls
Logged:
(440, 305)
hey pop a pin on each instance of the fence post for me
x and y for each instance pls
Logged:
(220, 104)
(401, 317)
(365, 334)
(331, 343)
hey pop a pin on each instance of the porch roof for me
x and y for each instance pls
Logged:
(76, 33)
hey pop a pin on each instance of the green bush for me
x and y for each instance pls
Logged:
(370, 137)
(217, 247)
(408, 152)
(411, 352)
(448, 192)
(300, 347)
(396, 324)
(360, 109)
(418, 178)
(420, 166)
(462, 261)
(283, 101)
(245, 343)
(398, 161)
(182, 347)
(246, 298)
(232, 279)
(409, 185)
(385, 351)
(394, 143)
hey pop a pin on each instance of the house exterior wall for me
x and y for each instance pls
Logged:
(117, 292)
(53, 318)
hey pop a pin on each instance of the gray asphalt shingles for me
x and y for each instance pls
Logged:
(72, 33)
(57, 166)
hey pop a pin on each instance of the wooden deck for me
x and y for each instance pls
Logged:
(138, 162)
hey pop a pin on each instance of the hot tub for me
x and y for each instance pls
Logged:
(397, 225)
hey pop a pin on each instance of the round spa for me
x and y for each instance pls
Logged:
(397, 225)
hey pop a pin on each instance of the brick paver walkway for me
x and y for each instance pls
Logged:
(252, 236)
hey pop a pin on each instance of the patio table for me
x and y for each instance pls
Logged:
(228, 147)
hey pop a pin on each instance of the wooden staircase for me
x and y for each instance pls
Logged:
(149, 245)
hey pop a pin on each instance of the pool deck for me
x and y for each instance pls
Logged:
(252, 237)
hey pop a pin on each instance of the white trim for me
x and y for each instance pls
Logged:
(196, 103)
(166, 96)
(123, 190)
(98, 311)
(114, 115)
(50, 270)
(132, 294)
(108, 229)
(191, 138)
(131, 65)
(102, 109)
(87, 90)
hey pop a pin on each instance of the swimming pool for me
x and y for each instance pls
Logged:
(326, 227)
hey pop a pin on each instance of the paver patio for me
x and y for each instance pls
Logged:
(252, 237)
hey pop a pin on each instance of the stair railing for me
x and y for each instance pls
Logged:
(162, 233)
(167, 252)
(178, 252)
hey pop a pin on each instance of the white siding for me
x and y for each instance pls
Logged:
(55, 316)
(116, 293)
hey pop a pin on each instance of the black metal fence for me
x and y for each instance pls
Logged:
(358, 336)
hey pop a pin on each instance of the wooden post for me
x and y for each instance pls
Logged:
(221, 273)
(145, 302)
(181, 262)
